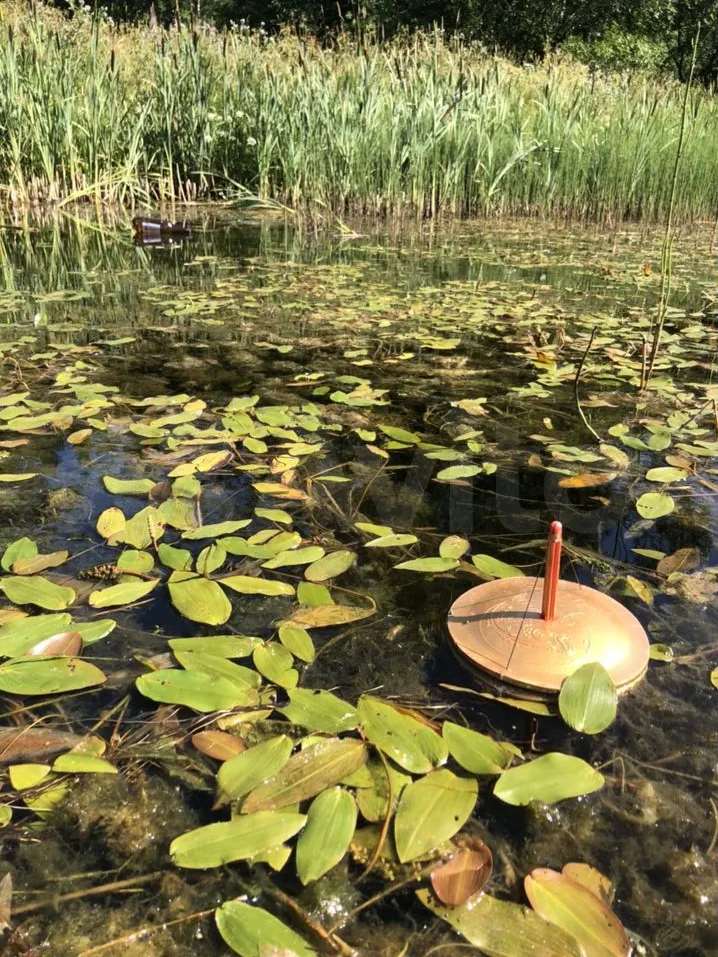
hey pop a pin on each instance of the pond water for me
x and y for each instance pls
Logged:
(466, 336)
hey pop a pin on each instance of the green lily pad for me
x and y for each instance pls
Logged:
(237, 840)
(319, 711)
(431, 810)
(123, 594)
(655, 505)
(41, 676)
(194, 689)
(199, 599)
(588, 699)
(35, 590)
(307, 773)
(552, 777)
(331, 820)
(251, 931)
(406, 740)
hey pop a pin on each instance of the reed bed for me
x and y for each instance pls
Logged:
(426, 124)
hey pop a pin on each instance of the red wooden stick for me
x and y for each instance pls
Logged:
(551, 572)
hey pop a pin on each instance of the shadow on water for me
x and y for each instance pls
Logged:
(463, 312)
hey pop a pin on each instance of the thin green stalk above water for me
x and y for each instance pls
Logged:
(667, 249)
(429, 125)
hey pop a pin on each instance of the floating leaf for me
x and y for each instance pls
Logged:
(666, 474)
(587, 480)
(200, 600)
(77, 763)
(248, 585)
(275, 663)
(117, 486)
(400, 435)
(219, 745)
(218, 667)
(34, 590)
(502, 929)
(326, 616)
(236, 840)
(574, 908)
(714, 677)
(274, 515)
(195, 689)
(431, 810)
(111, 524)
(211, 558)
(592, 879)
(295, 556)
(25, 776)
(588, 699)
(135, 563)
(463, 875)
(17, 476)
(660, 652)
(331, 820)
(392, 541)
(655, 505)
(123, 594)
(457, 472)
(253, 932)
(224, 646)
(332, 565)
(80, 436)
(373, 796)
(240, 775)
(307, 773)
(494, 568)
(38, 563)
(475, 752)
(215, 530)
(552, 777)
(453, 546)
(179, 559)
(430, 566)
(411, 744)
(143, 529)
(636, 588)
(21, 548)
(92, 631)
(297, 640)
(41, 676)
(319, 711)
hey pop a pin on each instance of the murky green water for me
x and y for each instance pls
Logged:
(399, 327)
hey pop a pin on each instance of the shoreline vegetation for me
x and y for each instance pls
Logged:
(423, 125)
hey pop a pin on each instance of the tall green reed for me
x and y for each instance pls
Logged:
(423, 124)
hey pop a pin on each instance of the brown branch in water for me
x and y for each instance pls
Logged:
(98, 891)
(385, 824)
(580, 411)
(387, 892)
(144, 932)
(327, 937)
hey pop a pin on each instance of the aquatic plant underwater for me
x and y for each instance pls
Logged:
(237, 504)
(424, 126)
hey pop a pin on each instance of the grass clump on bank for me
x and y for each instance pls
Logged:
(427, 124)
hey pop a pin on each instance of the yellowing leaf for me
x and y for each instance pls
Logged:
(123, 594)
(575, 909)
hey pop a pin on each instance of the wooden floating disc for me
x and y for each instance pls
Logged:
(498, 627)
